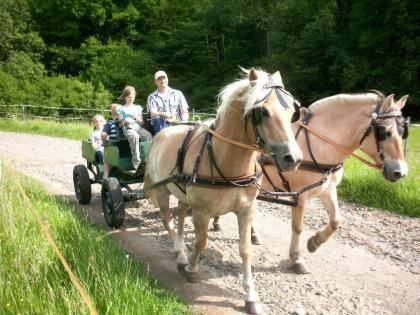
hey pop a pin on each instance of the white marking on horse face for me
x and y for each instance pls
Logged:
(395, 170)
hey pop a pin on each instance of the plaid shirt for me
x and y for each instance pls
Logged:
(175, 103)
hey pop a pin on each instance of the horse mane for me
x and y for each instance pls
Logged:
(357, 99)
(240, 89)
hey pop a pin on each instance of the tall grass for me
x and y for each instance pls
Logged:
(33, 280)
(367, 186)
(69, 130)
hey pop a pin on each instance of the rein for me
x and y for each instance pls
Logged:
(237, 143)
(340, 147)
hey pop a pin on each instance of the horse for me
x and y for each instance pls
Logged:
(195, 164)
(369, 121)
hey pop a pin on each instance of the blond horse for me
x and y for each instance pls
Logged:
(237, 122)
(367, 121)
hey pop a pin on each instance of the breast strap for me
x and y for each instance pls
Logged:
(193, 178)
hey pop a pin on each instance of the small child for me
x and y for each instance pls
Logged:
(95, 137)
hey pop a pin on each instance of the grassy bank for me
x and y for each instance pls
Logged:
(69, 130)
(32, 278)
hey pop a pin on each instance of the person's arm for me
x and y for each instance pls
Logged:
(153, 109)
(138, 115)
(125, 121)
(183, 108)
(155, 113)
(185, 116)
(104, 136)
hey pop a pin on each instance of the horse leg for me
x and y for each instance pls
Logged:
(201, 226)
(331, 205)
(298, 263)
(252, 300)
(162, 199)
(216, 224)
(182, 258)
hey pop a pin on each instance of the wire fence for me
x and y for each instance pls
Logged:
(25, 111)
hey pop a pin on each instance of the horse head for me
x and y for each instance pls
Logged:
(384, 139)
(271, 114)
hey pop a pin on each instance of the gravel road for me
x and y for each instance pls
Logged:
(370, 266)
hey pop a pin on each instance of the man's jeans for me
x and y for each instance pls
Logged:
(159, 123)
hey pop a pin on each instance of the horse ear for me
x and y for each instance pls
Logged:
(401, 102)
(388, 102)
(252, 75)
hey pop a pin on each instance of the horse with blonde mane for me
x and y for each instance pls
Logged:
(213, 170)
(338, 125)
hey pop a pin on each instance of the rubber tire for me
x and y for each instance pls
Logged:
(112, 202)
(82, 185)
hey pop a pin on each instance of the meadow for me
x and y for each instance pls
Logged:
(32, 278)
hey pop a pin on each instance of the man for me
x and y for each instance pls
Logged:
(166, 105)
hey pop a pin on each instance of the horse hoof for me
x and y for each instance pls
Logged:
(255, 240)
(217, 228)
(311, 245)
(253, 307)
(301, 268)
(181, 268)
(192, 277)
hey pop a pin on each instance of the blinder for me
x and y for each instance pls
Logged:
(296, 114)
(402, 128)
(380, 132)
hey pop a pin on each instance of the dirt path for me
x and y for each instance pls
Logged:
(371, 266)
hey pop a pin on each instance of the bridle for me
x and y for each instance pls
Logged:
(257, 114)
(380, 130)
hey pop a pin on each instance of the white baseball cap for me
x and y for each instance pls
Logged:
(159, 74)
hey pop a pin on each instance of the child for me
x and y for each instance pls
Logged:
(95, 137)
(110, 132)
(131, 117)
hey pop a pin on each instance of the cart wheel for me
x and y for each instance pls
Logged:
(81, 182)
(112, 202)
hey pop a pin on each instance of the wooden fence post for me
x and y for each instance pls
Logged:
(23, 112)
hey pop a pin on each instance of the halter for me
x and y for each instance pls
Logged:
(380, 130)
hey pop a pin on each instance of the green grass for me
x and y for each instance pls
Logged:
(33, 280)
(367, 186)
(69, 130)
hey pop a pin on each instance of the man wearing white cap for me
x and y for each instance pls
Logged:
(166, 105)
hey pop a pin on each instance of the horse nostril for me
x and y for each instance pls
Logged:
(397, 174)
(288, 158)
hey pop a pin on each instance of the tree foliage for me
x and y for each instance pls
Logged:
(321, 47)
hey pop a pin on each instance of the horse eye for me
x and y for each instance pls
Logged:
(265, 112)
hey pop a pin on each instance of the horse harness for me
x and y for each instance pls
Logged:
(380, 135)
(313, 166)
(256, 114)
